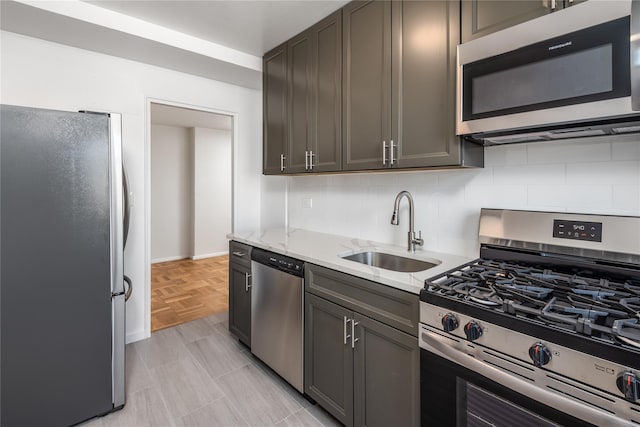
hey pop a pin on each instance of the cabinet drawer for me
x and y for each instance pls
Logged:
(240, 253)
(393, 307)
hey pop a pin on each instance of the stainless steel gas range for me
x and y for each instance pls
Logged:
(543, 329)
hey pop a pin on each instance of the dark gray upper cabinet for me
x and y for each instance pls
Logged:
(326, 101)
(275, 130)
(240, 291)
(399, 82)
(370, 87)
(425, 35)
(367, 84)
(299, 113)
(312, 93)
(482, 17)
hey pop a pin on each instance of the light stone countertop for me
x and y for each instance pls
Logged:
(325, 250)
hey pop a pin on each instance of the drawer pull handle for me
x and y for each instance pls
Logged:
(238, 253)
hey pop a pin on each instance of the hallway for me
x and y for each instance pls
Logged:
(186, 290)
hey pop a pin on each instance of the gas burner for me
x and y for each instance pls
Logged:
(627, 331)
(484, 296)
(574, 302)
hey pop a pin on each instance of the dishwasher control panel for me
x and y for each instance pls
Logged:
(281, 262)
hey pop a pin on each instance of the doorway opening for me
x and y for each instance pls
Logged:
(190, 213)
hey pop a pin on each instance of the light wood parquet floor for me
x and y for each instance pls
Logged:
(185, 290)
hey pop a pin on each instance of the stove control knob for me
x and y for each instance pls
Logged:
(449, 322)
(540, 354)
(628, 383)
(473, 330)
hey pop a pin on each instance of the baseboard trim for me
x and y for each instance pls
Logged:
(171, 258)
(136, 336)
(195, 257)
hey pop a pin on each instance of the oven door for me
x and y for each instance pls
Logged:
(460, 390)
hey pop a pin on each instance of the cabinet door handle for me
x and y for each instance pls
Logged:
(391, 153)
(384, 153)
(238, 253)
(353, 333)
(246, 282)
(306, 160)
(344, 333)
(282, 157)
(311, 160)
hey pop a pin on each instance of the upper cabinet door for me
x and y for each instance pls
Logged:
(482, 17)
(299, 56)
(275, 111)
(367, 83)
(326, 146)
(425, 36)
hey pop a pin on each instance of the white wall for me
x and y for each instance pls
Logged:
(171, 210)
(48, 75)
(212, 192)
(592, 176)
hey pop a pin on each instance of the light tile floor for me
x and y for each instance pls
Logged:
(197, 374)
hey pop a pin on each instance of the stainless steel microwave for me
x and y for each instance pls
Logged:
(571, 73)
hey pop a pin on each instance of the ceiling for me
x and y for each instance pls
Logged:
(184, 117)
(221, 40)
(253, 27)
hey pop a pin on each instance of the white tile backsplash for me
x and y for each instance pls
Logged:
(574, 175)
(598, 173)
(569, 151)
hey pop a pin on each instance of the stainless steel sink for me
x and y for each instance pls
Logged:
(391, 261)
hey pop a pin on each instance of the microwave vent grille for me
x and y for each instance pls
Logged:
(627, 129)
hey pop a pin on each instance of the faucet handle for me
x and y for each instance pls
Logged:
(418, 241)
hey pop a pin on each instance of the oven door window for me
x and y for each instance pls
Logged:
(479, 408)
(585, 66)
(451, 395)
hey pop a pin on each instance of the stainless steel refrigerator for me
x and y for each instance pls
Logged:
(63, 220)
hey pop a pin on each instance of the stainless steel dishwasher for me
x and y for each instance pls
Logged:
(277, 314)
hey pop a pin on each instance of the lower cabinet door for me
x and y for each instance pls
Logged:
(328, 357)
(386, 375)
(240, 302)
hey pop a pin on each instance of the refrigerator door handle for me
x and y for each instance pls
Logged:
(129, 288)
(127, 207)
(117, 201)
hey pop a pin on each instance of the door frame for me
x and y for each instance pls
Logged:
(147, 188)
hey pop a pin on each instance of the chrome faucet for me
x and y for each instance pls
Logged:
(412, 240)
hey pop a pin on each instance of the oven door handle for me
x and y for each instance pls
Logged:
(436, 344)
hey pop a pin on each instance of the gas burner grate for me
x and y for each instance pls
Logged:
(601, 308)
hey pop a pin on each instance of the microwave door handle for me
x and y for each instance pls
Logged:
(635, 55)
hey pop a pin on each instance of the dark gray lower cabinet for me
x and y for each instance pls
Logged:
(360, 370)
(386, 385)
(240, 291)
(328, 357)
